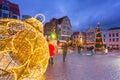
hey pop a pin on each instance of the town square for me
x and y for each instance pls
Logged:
(59, 40)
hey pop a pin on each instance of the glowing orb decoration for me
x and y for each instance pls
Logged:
(53, 35)
(24, 52)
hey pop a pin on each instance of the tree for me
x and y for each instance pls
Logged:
(99, 42)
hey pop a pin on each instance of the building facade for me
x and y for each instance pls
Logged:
(9, 10)
(90, 37)
(49, 26)
(104, 39)
(113, 38)
(62, 27)
(79, 39)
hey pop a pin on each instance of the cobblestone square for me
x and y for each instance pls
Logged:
(84, 67)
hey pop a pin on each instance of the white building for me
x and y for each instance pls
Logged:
(90, 37)
(65, 29)
(62, 27)
(113, 37)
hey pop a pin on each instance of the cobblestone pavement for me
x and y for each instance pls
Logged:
(84, 67)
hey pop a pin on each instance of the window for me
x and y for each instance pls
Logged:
(117, 39)
(104, 35)
(5, 8)
(116, 34)
(67, 33)
(64, 38)
(15, 17)
(63, 32)
(68, 28)
(109, 40)
(104, 40)
(64, 27)
(113, 34)
(5, 15)
(109, 35)
(113, 39)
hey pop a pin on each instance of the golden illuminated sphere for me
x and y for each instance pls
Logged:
(23, 49)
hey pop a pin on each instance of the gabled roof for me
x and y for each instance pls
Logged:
(47, 24)
(75, 33)
(91, 29)
(61, 19)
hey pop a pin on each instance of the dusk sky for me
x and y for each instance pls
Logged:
(82, 13)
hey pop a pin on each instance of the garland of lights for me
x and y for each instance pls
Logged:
(23, 42)
(99, 42)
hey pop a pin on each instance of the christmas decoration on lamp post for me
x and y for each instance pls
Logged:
(53, 35)
(23, 48)
(99, 42)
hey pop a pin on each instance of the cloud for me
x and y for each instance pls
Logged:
(82, 13)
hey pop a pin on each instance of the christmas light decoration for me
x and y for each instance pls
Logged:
(53, 35)
(24, 52)
(99, 42)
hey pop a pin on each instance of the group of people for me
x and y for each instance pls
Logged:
(64, 49)
(52, 51)
(92, 49)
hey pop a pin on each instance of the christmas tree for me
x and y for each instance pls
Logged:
(99, 42)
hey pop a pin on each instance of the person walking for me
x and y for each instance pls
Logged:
(51, 51)
(65, 48)
(106, 51)
(92, 51)
(79, 49)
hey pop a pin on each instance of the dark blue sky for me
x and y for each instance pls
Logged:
(82, 13)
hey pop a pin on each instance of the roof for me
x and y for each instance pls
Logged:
(47, 24)
(115, 28)
(14, 8)
(61, 19)
(91, 29)
(75, 33)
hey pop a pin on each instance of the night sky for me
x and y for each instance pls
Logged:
(82, 13)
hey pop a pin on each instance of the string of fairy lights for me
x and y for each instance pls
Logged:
(26, 46)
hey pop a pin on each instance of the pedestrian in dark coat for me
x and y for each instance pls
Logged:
(65, 48)
(79, 49)
(92, 51)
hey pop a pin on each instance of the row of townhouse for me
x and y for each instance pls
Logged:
(110, 37)
(63, 30)
(84, 39)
